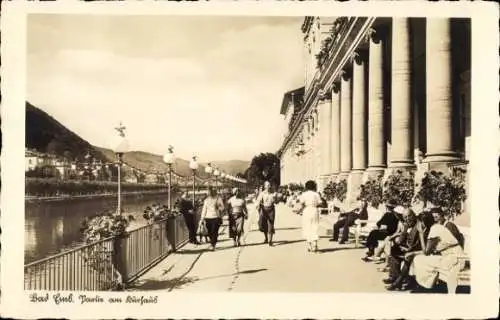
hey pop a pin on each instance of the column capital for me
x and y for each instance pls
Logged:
(345, 74)
(336, 87)
(375, 35)
(359, 56)
(324, 95)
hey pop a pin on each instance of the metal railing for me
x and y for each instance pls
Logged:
(108, 263)
(89, 267)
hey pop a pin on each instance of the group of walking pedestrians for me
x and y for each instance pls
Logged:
(215, 207)
(236, 208)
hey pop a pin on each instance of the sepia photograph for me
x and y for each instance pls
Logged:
(180, 154)
(368, 162)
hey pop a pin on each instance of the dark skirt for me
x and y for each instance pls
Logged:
(236, 224)
(266, 220)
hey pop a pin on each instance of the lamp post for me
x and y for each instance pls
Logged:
(120, 147)
(208, 171)
(216, 174)
(193, 165)
(169, 159)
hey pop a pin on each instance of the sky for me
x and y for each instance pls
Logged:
(209, 86)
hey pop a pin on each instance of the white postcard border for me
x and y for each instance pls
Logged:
(483, 300)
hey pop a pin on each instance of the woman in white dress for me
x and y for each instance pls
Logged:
(310, 201)
(444, 246)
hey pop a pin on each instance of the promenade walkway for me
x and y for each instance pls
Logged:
(255, 267)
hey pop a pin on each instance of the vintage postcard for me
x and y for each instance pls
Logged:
(249, 160)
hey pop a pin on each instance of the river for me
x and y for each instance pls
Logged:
(54, 226)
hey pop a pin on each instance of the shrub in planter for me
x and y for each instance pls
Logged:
(329, 191)
(295, 187)
(447, 192)
(335, 190)
(99, 255)
(341, 190)
(156, 212)
(399, 188)
(371, 192)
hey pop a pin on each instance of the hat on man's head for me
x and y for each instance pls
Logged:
(391, 204)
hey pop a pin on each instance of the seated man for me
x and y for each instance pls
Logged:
(386, 226)
(347, 220)
(403, 251)
(385, 247)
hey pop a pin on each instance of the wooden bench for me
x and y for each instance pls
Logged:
(328, 209)
(362, 228)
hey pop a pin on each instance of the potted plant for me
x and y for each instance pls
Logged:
(341, 190)
(371, 192)
(97, 256)
(399, 188)
(156, 212)
(446, 192)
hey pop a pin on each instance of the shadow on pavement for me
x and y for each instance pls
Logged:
(291, 228)
(324, 250)
(206, 249)
(171, 284)
(283, 242)
(179, 282)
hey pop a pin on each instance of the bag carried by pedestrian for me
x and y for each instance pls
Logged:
(202, 228)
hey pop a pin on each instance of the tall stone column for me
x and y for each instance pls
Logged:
(326, 134)
(335, 131)
(358, 124)
(376, 138)
(345, 125)
(440, 147)
(310, 164)
(401, 105)
(316, 145)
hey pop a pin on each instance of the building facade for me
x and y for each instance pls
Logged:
(379, 94)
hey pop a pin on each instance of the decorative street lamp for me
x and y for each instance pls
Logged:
(216, 174)
(208, 171)
(120, 147)
(193, 165)
(223, 176)
(169, 159)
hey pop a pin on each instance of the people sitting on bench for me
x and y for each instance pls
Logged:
(402, 253)
(390, 222)
(385, 247)
(347, 219)
(441, 255)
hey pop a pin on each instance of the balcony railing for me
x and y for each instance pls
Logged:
(106, 264)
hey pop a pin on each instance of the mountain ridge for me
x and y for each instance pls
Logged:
(46, 134)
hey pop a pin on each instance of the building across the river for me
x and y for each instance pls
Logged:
(379, 94)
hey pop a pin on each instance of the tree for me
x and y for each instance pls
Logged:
(265, 166)
(241, 175)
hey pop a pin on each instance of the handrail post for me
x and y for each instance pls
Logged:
(120, 249)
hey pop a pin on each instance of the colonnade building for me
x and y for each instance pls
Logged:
(379, 94)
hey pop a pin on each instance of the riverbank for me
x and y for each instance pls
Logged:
(35, 199)
(55, 188)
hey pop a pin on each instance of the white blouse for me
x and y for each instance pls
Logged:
(212, 207)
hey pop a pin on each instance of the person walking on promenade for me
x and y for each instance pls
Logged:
(188, 212)
(211, 214)
(266, 202)
(237, 214)
(310, 202)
